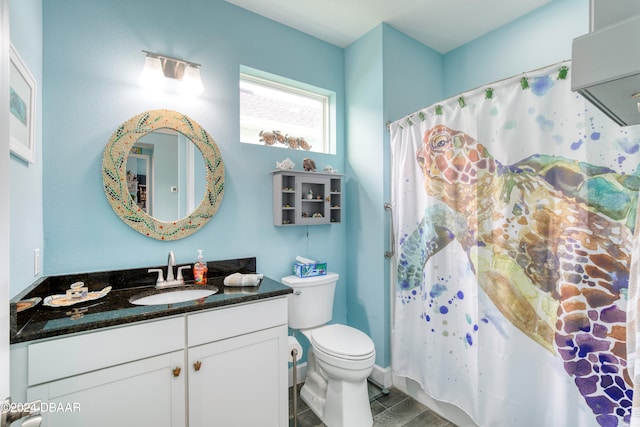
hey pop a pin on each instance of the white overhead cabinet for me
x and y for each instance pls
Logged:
(306, 198)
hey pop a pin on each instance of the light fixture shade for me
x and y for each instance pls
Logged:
(191, 81)
(152, 75)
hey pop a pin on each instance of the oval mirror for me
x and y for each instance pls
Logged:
(135, 183)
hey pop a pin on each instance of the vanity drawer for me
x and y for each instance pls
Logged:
(64, 357)
(225, 323)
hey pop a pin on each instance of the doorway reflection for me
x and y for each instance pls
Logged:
(165, 171)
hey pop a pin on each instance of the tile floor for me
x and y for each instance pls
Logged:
(393, 409)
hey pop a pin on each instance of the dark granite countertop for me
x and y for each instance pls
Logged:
(115, 309)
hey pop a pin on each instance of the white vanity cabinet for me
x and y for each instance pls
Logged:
(224, 366)
(238, 367)
(306, 198)
(139, 393)
(105, 377)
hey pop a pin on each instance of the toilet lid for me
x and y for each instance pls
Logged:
(342, 341)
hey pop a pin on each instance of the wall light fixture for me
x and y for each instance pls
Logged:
(158, 68)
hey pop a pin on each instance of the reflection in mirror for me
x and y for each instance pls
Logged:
(137, 179)
(162, 199)
(168, 174)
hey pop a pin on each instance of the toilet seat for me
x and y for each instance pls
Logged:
(342, 341)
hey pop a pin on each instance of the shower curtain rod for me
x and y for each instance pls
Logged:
(462, 94)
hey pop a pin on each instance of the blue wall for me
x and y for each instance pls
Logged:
(365, 121)
(540, 38)
(387, 74)
(93, 59)
(91, 65)
(26, 179)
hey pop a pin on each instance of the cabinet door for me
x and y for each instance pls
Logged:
(314, 200)
(240, 381)
(142, 393)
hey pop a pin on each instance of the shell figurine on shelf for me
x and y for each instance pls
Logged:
(309, 165)
(329, 169)
(286, 164)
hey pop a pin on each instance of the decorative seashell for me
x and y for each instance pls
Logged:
(309, 165)
(329, 169)
(292, 142)
(269, 138)
(302, 143)
(286, 164)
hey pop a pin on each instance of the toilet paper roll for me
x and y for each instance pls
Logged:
(294, 345)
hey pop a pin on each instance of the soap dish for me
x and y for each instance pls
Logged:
(69, 298)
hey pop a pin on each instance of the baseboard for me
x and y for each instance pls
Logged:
(382, 376)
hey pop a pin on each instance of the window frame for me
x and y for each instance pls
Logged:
(291, 87)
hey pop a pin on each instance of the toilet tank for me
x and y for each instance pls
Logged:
(311, 303)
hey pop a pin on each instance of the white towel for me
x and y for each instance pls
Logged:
(238, 279)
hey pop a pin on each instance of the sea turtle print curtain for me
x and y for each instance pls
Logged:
(515, 210)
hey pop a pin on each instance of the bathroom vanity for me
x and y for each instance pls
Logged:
(219, 360)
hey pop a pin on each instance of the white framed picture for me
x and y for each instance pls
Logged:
(22, 109)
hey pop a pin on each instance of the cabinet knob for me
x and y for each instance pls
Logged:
(197, 365)
(176, 371)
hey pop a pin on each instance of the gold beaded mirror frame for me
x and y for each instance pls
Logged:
(114, 174)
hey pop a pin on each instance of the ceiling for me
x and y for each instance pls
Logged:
(442, 25)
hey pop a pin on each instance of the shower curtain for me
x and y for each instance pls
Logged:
(515, 209)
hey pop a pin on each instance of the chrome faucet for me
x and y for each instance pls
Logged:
(171, 279)
(171, 262)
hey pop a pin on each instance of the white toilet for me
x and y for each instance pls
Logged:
(340, 358)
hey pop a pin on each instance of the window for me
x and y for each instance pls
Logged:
(284, 115)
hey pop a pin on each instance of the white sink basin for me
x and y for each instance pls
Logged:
(172, 296)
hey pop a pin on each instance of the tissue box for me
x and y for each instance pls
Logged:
(310, 270)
